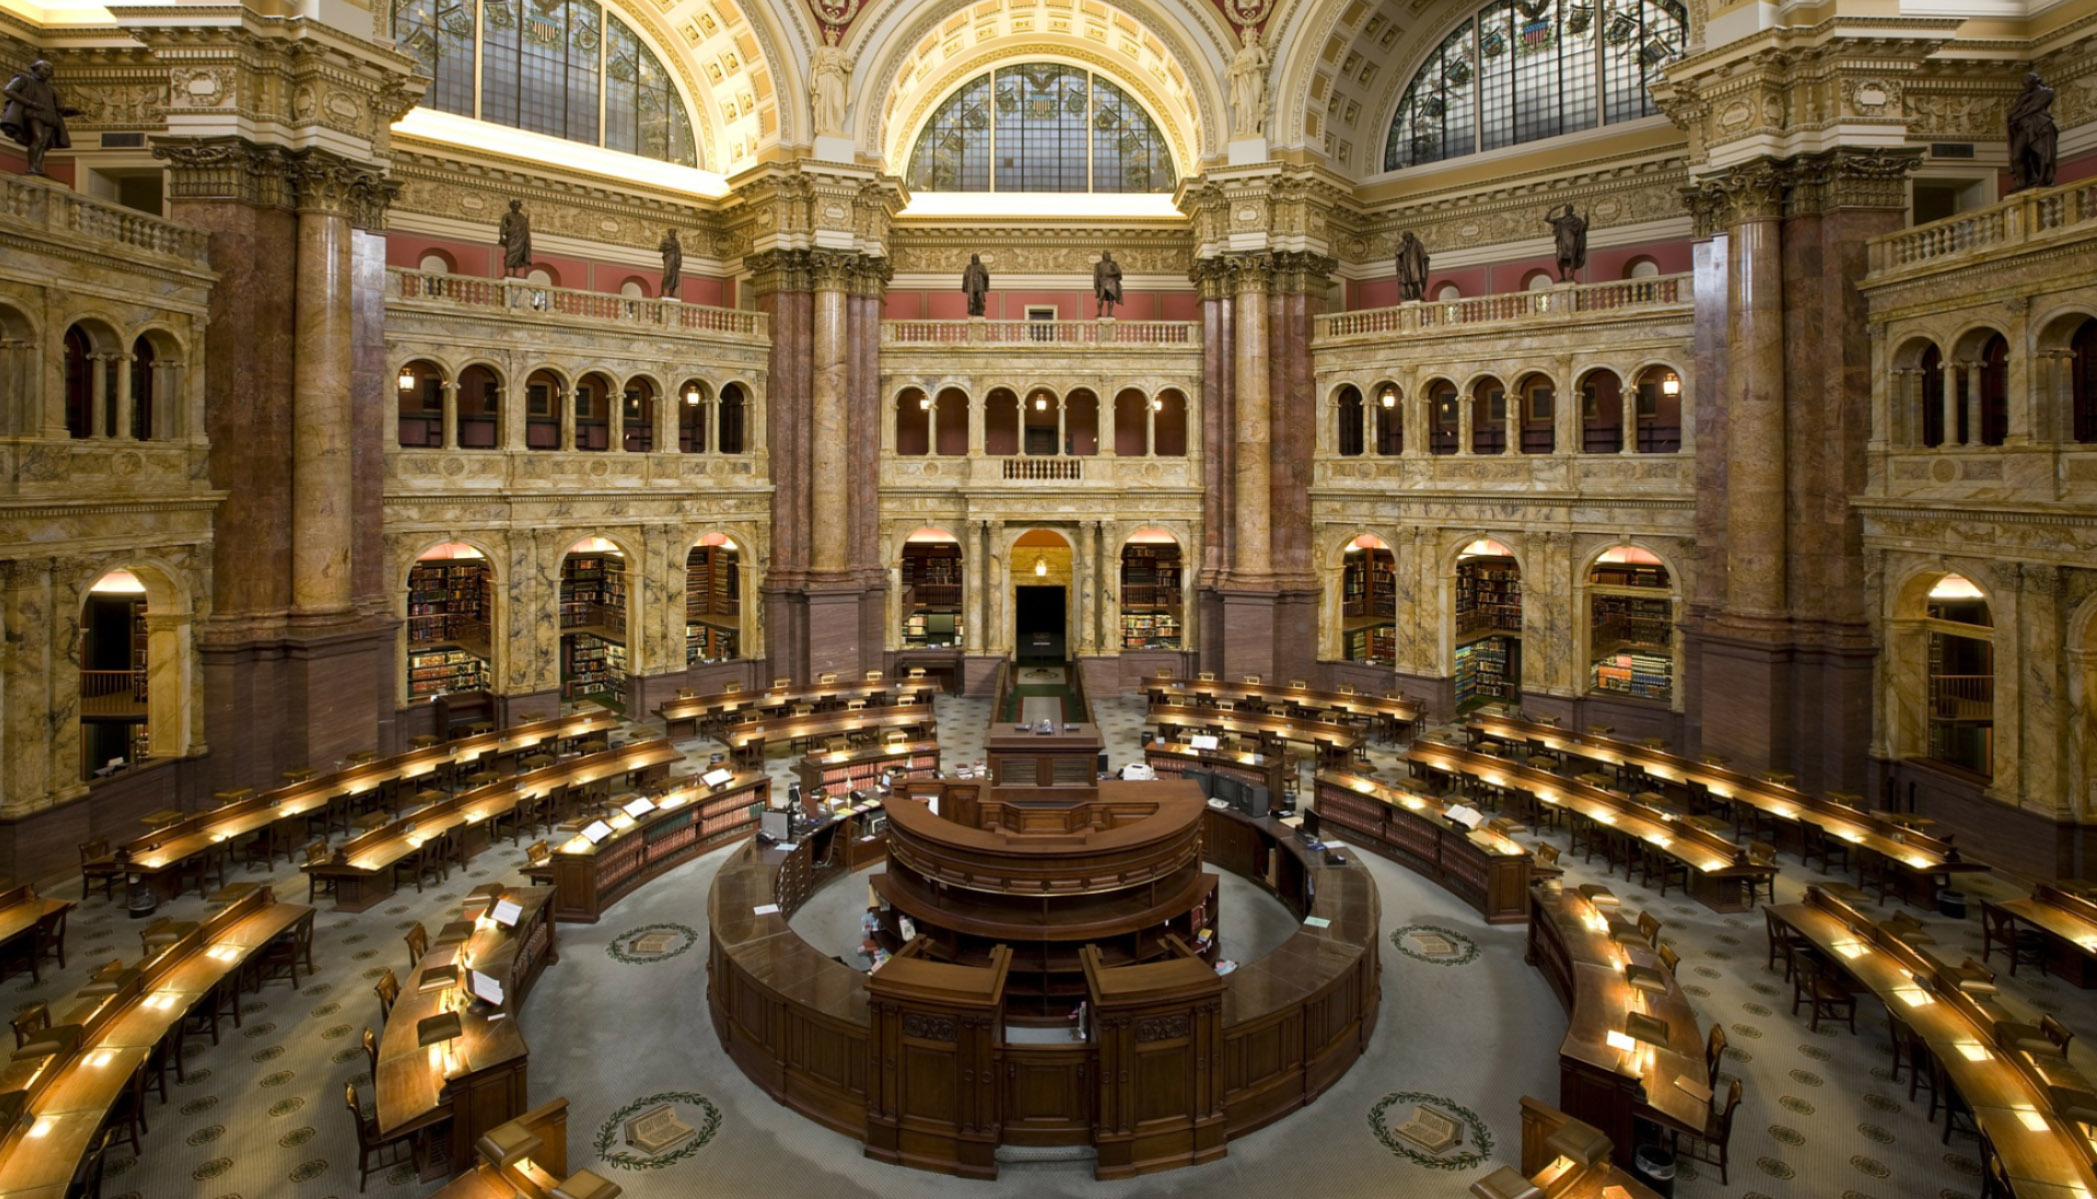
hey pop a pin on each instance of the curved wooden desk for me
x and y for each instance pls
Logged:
(803, 1026)
(1489, 870)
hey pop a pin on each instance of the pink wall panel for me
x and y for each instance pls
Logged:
(1603, 265)
(484, 259)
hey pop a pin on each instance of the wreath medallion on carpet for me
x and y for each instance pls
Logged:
(652, 943)
(1435, 945)
(657, 1130)
(1431, 1130)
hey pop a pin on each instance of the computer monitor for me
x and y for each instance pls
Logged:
(506, 913)
(1230, 791)
(485, 987)
(1252, 800)
(1310, 823)
(776, 825)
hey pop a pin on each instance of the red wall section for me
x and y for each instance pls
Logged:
(14, 162)
(1603, 266)
(484, 260)
(1074, 305)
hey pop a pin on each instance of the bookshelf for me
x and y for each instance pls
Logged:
(861, 768)
(591, 665)
(1631, 623)
(443, 669)
(447, 627)
(932, 595)
(593, 593)
(1488, 596)
(1150, 597)
(712, 605)
(1487, 671)
(1369, 606)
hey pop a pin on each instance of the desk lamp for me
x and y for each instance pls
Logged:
(1575, 1148)
(508, 1145)
(585, 1185)
(436, 1033)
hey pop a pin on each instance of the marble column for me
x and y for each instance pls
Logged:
(828, 451)
(1253, 562)
(1754, 399)
(98, 396)
(121, 366)
(322, 413)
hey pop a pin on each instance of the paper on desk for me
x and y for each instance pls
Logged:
(765, 909)
(1316, 922)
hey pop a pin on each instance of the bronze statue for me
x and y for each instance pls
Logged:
(975, 284)
(673, 264)
(1569, 232)
(1412, 267)
(2033, 137)
(514, 235)
(34, 116)
(1106, 284)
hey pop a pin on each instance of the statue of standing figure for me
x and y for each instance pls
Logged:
(35, 117)
(828, 93)
(673, 264)
(2033, 137)
(1106, 284)
(514, 235)
(1249, 86)
(1412, 267)
(975, 284)
(1569, 232)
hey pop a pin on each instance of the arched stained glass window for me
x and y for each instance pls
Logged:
(565, 68)
(1522, 70)
(1040, 127)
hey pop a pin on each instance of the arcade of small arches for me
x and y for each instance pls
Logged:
(947, 421)
(592, 411)
(118, 382)
(1967, 388)
(1485, 416)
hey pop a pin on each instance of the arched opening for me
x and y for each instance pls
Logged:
(1961, 665)
(1537, 398)
(145, 365)
(451, 596)
(1168, 424)
(694, 415)
(420, 387)
(1131, 424)
(713, 601)
(480, 408)
(1081, 422)
(1390, 420)
(1043, 419)
(2082, 403)
(594, 622)
(1151, 580)
(1657, 411)
(1488, 416)
(1349, 414)
(1631, 625)
(21, 375)
(1538, 281)
(1601, 413)
(734, 417)
(434, 262)
(1994, 388)
(1641, 267)
(1442, 417)
(593, 413)
(1488, 625)
(1930, 396)
(913, 423)
(115, 660)
(932, 590)
(1447, 292)
(1043, 567)
(637, 416)
(80, 365)
(543, 396)
(1001, 422)
(634, 289)
(950, 424)
(542, 276)
(1369, 601)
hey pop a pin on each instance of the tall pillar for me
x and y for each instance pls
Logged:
(829, 457)
(321, 526)
(1754, 400)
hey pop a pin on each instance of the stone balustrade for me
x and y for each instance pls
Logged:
(2027, 217)
(1566, 303)
(1084, 473)
(447, 292)
(1178, 335)
(66, 217)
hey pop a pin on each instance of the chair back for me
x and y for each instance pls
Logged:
(2001, 925)
(33, 1019)
(98, 847)
(371, 1050)
(316, 853)
(1762, 853)
(2056, 1032)
(1670, 959)
(388, 990)
(418, 940)
(349, 1100)
(538, 853)
(1546, 854)
(1649, 928)
(1725, 1115)
(1715, 1046)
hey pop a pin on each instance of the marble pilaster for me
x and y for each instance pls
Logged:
(1253, 560)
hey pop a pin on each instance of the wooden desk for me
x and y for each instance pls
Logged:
(746, 742)
(548, 1163)
(362, 867)
(1489, 871)
(1171, 759)
(689, 820)
(22, 909)
(1915, 863)
(2006, 1088)
(2068, 922)
(1718, 869)
(862, 767)
(1388, 714)
(1570, 1180)
(1570, 942)
(65, 1098)
(1334, 742)
(685, 717)
(488, 1085)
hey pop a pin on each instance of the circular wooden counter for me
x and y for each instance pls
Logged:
(805, 1027)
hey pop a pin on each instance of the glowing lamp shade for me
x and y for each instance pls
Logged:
(507, 1144)
(1672, 385)
(925, 402)
(407, 379)
(1041, 403)
(691, 395)
(1389, 398)
(1040, 566)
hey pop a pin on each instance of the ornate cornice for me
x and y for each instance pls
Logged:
(233, 168)
(1769, 189)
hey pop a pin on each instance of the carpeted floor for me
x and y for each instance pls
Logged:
(621, 1020)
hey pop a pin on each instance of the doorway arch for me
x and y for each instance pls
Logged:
(1043, 575)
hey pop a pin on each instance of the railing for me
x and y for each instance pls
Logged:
(67, 217)
(1556, 303)
(1962, 696)
(1047, 333)
(112, 692)
(2021, 218)
(1045, 468)
(519, 296)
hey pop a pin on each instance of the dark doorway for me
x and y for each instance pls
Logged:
(1038, 623)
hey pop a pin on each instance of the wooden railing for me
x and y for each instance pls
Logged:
(1045, 469)
(521, 297)
(1556, 303)
(1177, 334)
(67, 217)
(2024, 217)
(112, 692)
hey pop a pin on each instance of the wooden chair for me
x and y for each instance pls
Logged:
(1672, 870)
(1815, 840)
(2047, 1041)
(371, 1053)
(1670, 959)
(2000, 930)
(388, 990)
(99, 866)
(30, 1021)
(1783, 943)
(1649, 928)
(1714, 1054)
(369, 1142)
(1913, 1053)
(318, 884)
(47, 940)
(418, 940)
(1815, 982)
(1545, 863)
(284, 954)
(1716, 1137)
(1764, 855)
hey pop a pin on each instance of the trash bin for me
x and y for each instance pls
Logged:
(141, 897)
(1655, 1167)
(1951, 903)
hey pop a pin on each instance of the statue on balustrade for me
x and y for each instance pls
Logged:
(1569, 234)
(1412, 267)
(2033, 137)
(673, 264)
(514, 235)
(35, 117)
(975, 284)
(1106, 284)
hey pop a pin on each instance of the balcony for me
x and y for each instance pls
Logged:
(65, 217)
(1077, 472)
(1178, 335)
(467, 294)
(2020, 222)
(1661, 296)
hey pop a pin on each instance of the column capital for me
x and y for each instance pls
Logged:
(1851, 177)
(1739, 195)
(779, 270)
(234, 168)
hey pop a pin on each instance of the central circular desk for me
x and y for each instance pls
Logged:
(1174, 1060)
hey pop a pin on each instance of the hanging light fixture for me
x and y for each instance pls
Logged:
(1041, 403)
(691, 394)
(1157, 403)
(407, 378)
(1040, 566)
(1672, 385)
(1389, 398)
(924, 402)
